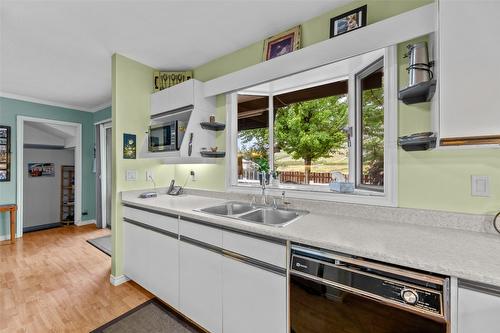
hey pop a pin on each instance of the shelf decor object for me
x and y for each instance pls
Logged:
(348, 21)
(67, 213)
(282, 43)
(164, 80)
(212, 154)
(215, 126)
(4, 153)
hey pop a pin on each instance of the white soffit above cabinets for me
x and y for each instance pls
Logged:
(60, 51)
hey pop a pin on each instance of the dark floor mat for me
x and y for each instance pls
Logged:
(151, 316)
(102, 243)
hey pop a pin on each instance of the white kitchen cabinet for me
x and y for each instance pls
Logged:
(135, 253)
(201, 286)
(151, 259)
(163, 261)
(254, 298)
(478, 309)
(469, 69)
(178, 96)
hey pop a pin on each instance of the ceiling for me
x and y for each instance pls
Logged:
(59, 52)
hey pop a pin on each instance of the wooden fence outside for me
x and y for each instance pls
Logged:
(298, 177)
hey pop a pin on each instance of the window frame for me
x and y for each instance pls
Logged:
(358, 129)
(361, 195)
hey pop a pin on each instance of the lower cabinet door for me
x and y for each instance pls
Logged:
(201, 286)
(254, 299)
(151, 259)
(135, 253)
(163, 262)
(478, 311)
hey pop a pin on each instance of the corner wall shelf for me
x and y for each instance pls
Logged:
(213, 154)
(422, 92)
(213, 126)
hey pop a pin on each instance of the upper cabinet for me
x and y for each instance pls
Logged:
(176, 97)
(187, 104)
(469, 68)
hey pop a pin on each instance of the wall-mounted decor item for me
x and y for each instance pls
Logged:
(349, 21)
(282, 43)
(129, 146)
(41, 169)
(163, 80)
(4, 153)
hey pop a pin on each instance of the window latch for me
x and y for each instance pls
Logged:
(348, 132)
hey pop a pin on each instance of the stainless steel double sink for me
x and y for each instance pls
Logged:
(255, 213)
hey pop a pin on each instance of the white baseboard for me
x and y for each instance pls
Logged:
(4, 237)
(80, 223)
(117, 280)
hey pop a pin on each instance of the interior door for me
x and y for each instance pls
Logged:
(108, 157)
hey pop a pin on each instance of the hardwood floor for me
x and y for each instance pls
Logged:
(54, 281)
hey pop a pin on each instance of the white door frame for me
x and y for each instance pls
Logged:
(102, 146)
(20, 167)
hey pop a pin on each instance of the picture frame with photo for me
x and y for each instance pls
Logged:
(129, 146)
(348, 21)
(41, 169)
(4, 153)
(283, 43)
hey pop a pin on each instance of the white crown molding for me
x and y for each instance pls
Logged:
(51, 103)
(100, 107)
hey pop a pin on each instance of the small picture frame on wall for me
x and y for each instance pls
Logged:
(282, 43)
(349, 21)
(4, 153)
(129, 146)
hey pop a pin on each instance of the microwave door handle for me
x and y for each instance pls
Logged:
(190, 147)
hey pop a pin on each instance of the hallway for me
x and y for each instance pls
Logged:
(54, 281)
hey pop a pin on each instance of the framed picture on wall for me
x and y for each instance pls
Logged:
(41, 169)
(282, 43)
(129, 146)
(348, 21)
(4, 153)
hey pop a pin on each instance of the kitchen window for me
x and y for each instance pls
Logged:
(310, 129)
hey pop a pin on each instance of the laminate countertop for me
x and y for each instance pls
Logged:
(464, 254)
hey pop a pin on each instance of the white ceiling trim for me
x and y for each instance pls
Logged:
(46, 102)
(100, 107)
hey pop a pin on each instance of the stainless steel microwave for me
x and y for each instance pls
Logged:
(166, 136)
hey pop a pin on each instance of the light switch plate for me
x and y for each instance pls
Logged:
(480, 186)
(131, 175)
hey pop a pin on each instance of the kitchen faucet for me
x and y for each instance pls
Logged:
(263, 199)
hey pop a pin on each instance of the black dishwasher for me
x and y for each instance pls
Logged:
(336, 293)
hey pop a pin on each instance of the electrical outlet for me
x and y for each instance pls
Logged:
(193, 175)
(480, 186)
(131, 175)
(149, 174)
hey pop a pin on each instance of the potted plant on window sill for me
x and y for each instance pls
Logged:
(263, 165)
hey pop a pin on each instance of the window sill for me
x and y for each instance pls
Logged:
(318, 193)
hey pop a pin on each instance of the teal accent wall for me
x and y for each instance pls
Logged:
(9, 110)
(103, 114)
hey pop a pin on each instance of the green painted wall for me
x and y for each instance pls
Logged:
(131, 90)
(438, 179)
(9, 110)
(101, 115)
(441, 179)
(313, 31)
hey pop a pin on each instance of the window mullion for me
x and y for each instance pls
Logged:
(271, 131)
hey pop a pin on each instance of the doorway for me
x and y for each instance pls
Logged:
(103, 166)
(46, 194)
